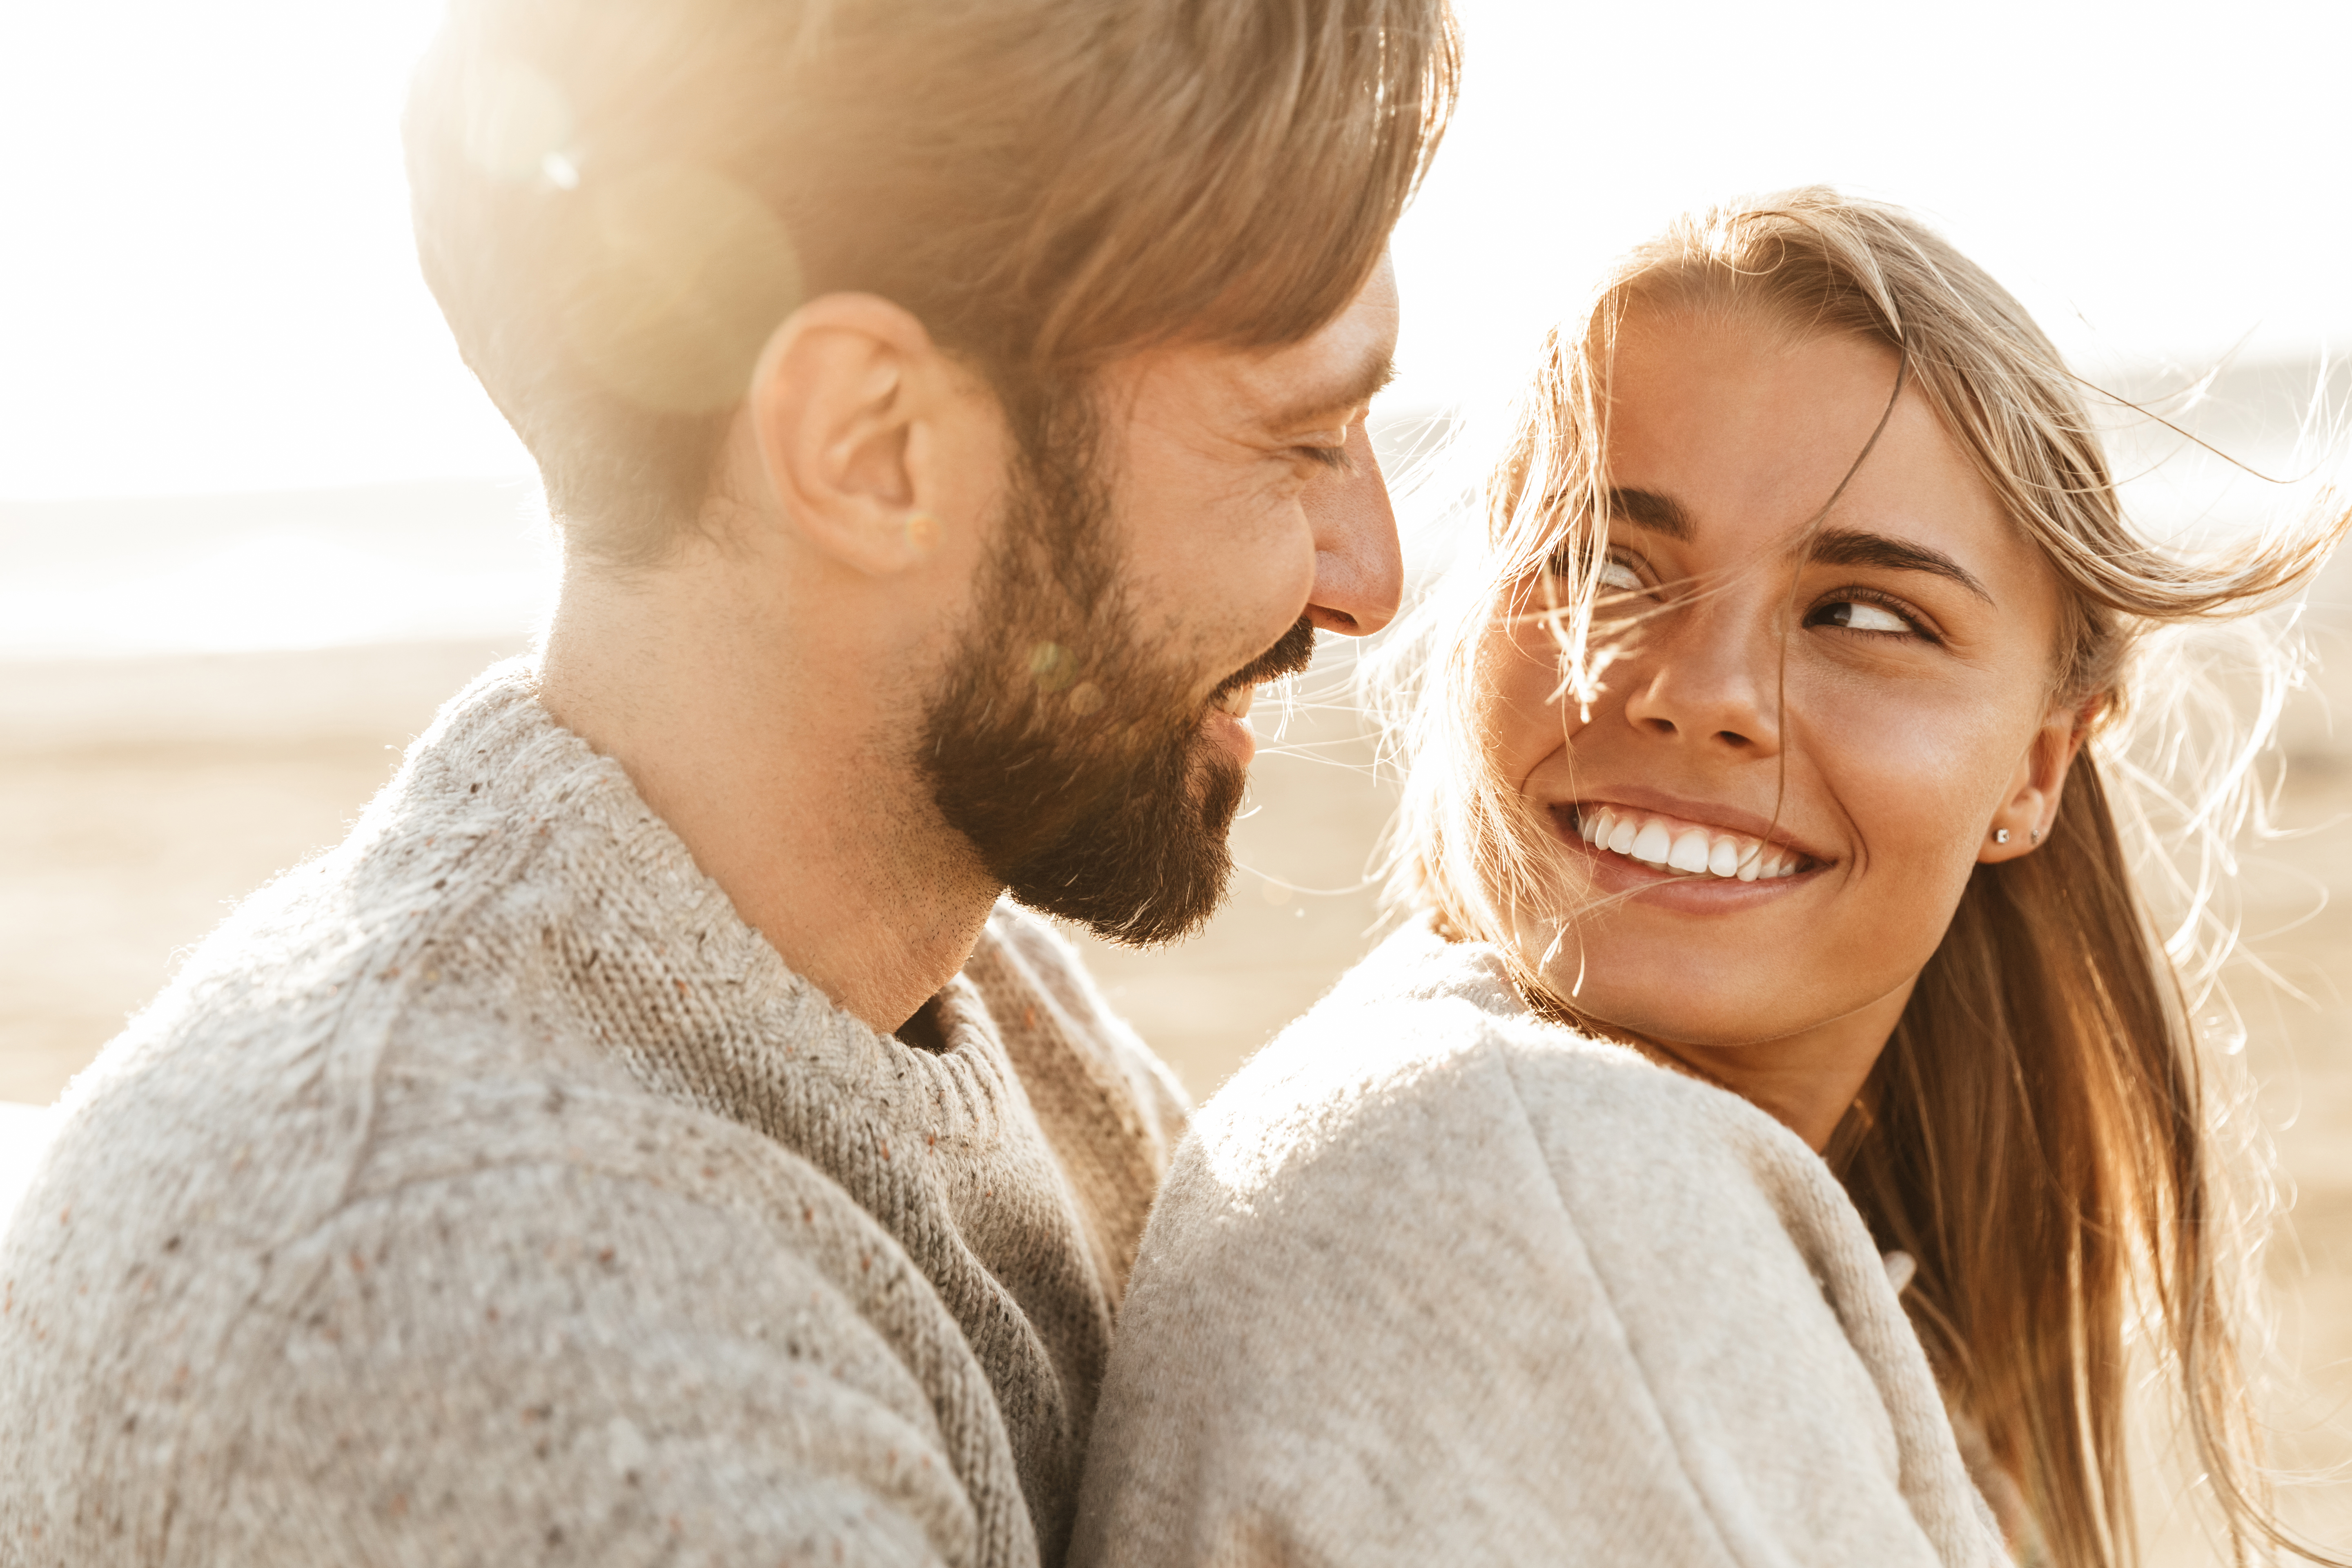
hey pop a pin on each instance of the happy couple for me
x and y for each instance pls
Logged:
(670, 1130)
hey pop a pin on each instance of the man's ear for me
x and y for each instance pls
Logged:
(2030, 810)
(841, 407)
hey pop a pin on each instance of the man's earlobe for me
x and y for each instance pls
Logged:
(839, 403)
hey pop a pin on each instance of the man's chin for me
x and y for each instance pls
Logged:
(1152, 870)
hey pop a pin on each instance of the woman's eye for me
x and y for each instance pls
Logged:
(1860, 616)
(1616, 576)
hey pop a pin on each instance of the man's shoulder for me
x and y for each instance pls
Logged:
(404, 1010)
(219, 1139)
(465, 1292)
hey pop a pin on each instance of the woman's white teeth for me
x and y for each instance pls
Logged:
(1656, 841)
(1689, 853)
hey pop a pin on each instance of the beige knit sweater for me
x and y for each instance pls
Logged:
(487, 1192)
(1432, 1281)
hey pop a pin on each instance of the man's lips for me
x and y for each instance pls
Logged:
(1294, 653)
(1229, 705)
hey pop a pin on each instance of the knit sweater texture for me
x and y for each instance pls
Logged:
(1434, 1279)
(487, 1192)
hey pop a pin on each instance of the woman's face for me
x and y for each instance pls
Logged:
(1795, 762)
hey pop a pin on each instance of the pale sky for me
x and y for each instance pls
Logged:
(206, 283)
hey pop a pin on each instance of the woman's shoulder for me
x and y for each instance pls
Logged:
(1426, 1036)
(1432, 1262)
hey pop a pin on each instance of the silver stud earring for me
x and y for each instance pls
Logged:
(2034, 836)
(2000, 836)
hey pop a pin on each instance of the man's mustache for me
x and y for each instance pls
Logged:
(1294, 653)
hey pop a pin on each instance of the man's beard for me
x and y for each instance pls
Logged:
(1072, 761)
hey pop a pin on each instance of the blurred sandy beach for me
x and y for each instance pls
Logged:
(145, 786)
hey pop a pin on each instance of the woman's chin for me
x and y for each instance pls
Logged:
(1668, 985)
(1703, 1027)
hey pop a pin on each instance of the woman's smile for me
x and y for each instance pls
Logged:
(1686, 849)
(1713, 860)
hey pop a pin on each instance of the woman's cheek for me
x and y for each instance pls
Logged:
(1516, 676)
(1923, 783)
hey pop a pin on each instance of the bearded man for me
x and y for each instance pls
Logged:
(651, 1136)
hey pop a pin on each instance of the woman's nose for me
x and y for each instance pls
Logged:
(1708, 672)
(1358, 564)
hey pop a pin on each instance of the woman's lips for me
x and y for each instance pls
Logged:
(1678, 846)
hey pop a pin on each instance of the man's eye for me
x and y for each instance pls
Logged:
(1332, 458)
(1860, 616)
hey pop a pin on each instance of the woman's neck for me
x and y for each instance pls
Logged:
(1805, 1081)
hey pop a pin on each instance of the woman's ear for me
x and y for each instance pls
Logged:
(2030, 810)
(843, 407)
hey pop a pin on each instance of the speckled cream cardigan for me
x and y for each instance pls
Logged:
(487, 1192)
(1434, 1280)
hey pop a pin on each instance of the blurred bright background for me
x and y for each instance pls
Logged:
(256, 520)
(208, 285)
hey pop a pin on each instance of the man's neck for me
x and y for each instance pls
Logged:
(777, 740)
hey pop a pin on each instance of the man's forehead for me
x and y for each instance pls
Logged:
(1336, 382)
(1339, 365)
(1332, 372)
(1306, 384)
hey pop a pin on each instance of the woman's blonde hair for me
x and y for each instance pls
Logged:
(2045, 1133)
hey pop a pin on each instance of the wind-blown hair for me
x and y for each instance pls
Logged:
(2045, 1133)
(616, 201)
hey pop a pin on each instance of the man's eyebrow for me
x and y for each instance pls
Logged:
(1852, 547)
(1374, 373)
(1647, 510)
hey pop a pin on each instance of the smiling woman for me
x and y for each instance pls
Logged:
(1812, 529)
(1827, 1128)
(1853, 703)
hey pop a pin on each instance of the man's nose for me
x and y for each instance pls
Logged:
(1358, 564)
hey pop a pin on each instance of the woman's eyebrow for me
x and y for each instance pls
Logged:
(1852, 547)
(1647, 509)
(1830, 547)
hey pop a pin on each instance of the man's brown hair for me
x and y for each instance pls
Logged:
(616, 201)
